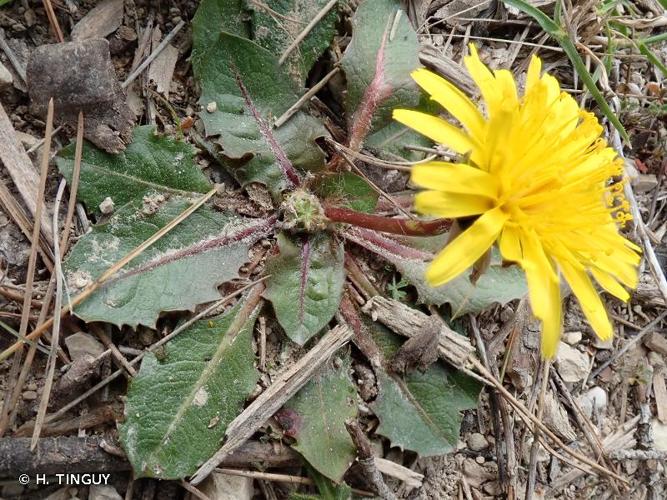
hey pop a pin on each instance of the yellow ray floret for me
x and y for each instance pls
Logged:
(539, 179)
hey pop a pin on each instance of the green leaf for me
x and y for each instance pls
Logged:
(211, 19)
(421, 411)
(150, 163)
(276, 27)
(320, 410)
(348, 190)
(497, 284)
(178, 272)
(305, 283)
(390, 142)
(249, 90)
(378, 61)
(178, 407)
(563, 38)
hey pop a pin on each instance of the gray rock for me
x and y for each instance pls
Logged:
(6, 78)
(81, 344)
(477, 442)
(593, 399)
(572, 364)
(80, 76)
(103, 492)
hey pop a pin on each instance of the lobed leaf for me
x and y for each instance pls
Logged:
(497, 284)
(180, 271)
(179, 404)
(305, 283)
(378, 61)
(245, 89)
(151, 163)
(319, 411)
(419, 411)
(277, 28)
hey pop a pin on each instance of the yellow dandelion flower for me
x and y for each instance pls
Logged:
(539, 179)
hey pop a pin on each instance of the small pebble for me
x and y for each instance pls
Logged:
(477, 442)
(107, 205)
(572, 337)
(29, 395)
(480, 459)
(211, 107)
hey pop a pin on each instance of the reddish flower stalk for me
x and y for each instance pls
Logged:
(405, 227)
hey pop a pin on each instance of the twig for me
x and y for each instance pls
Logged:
(305, 98)
(282, 478)
(325, 10)
(64, 241)
(375, 187)
(39, 143)
(367, 460)
(504, 471)
(532, 466)
(55, 336)
(53, 20)
(151, 57)
(32, 263)
(286, 384)
(121, 361)
(194, 491)
(262, 343)
(11, 55)
(642, 333)
(101, 280)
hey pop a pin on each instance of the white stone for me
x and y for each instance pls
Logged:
(572, 338)
(593, 399)
(572, 364)
(227, 487)
(644, 183)
(212, 106)
(659, 435)
(106, 207)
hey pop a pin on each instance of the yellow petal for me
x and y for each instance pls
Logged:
(544, 292)
(435, 129)
(469, 246)
(444, 204)
(589, 300)
(609, 283)
(484, 79)
(533, 75)
(552, 320)
(510, 243)
(507, 88)
(452, 99)
(455, 178)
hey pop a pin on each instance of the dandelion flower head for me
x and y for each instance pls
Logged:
(538, 178)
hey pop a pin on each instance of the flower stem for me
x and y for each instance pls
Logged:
(405, 227)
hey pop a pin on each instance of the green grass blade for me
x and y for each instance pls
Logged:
(650, 55)
(545, 21)
(568, 46)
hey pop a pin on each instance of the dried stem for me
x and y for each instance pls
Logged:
(32, 264)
